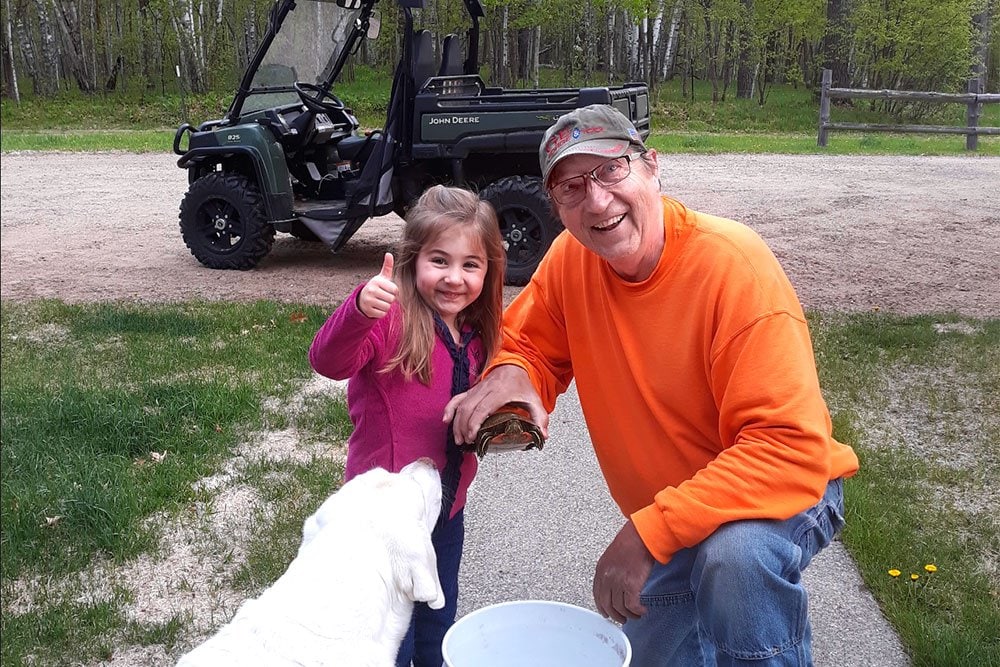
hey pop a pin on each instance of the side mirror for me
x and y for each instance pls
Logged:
(374, 25)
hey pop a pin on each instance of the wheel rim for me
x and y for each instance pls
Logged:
(522, 233)
(221, 226)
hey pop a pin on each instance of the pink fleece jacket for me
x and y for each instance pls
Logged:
(395, 421)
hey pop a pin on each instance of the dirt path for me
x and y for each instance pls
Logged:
(903, 234)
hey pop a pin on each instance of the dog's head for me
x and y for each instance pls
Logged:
(415, 492)
(425, 475)
(401, 509)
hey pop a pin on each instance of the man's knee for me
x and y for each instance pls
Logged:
(746, 554)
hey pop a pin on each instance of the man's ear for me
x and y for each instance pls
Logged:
(653, 161)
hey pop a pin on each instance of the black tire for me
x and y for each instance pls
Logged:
(526, 223)
(223, 222)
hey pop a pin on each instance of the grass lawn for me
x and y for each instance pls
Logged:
(786, 123)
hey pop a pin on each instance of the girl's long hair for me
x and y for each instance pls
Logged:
(441, 210)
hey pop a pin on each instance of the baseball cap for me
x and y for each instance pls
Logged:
(598, 129)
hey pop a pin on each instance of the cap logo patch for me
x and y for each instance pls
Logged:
(556, 141)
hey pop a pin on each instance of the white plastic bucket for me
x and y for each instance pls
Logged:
(535, 632)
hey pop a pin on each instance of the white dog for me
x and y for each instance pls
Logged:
(346, 599)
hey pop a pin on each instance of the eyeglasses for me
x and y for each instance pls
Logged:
(572, 190)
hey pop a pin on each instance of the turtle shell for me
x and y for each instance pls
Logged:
(509, 428)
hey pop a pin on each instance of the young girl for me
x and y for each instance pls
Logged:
(409, 340)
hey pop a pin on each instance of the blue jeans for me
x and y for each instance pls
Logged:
(737, 598)
(422, 643)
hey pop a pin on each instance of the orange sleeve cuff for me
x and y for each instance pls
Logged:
(655, 533)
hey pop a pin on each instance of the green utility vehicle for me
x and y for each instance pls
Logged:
(289, 156)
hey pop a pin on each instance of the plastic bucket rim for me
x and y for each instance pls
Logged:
(533, 603)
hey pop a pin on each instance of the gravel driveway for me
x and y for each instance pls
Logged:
(905, 234)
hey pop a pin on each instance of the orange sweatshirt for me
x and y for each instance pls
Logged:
(698, 385)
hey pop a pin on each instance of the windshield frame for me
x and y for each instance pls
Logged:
(293, 49)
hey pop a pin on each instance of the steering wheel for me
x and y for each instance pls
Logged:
(316, 99)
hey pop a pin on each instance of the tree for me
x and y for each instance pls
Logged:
(981, 40)
(745, 66)
(836, 45)
(10, 89)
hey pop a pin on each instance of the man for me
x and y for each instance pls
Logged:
(695, 371)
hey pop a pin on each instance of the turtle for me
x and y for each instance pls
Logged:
(509, 428)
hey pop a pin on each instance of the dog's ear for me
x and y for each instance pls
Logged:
(418, 570)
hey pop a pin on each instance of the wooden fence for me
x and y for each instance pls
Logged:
(972, 99)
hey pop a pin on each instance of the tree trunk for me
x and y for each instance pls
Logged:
(835, 42)
(536, 46)
(609, 48)
(10, 89)
(656, 49)
(74, 48)
(148, 46)
(47, 70)
(981, 43)
(643, 49)
(669, 54)
(502, 62)
(744, 67)
(688, 79)
(589, 42)
(713, 38)
(632, 37)
(192, 61)
(27, 49)
(248, 44)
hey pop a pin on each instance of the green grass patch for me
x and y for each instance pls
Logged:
(919, 398)
(88, 141)
(786, 123)
(91, 396)
(681, 141)
(788, 109)
(90, 391)
(297, 491)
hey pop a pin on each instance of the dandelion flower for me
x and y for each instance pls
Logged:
(930, 567)
(894, 573)
(914, 577)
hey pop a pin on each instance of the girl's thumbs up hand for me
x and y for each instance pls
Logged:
(379, 292)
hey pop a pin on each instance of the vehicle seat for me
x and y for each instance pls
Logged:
(423, 58)
(451, 56)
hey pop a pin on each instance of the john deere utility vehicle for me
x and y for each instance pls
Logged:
(288, 155)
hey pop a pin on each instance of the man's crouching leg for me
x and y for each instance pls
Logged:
(737, 598)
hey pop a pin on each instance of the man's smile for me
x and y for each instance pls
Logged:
(609, 225)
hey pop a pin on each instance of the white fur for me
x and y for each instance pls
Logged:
(346, 599)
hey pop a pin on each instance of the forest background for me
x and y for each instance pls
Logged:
(138, 50)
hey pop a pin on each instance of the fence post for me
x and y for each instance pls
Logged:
(972, 115)
(824, 106)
